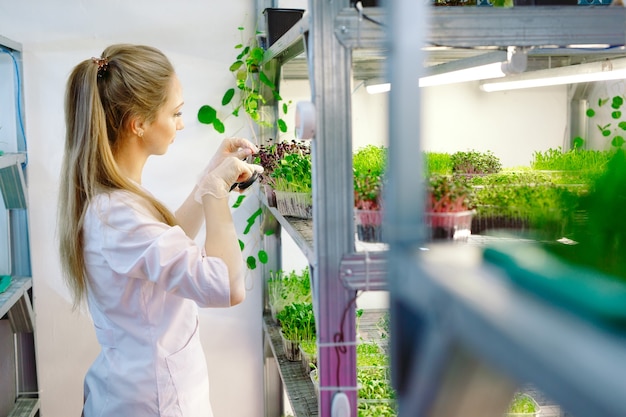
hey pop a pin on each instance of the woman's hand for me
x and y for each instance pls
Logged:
(239, 148)
(217, 182)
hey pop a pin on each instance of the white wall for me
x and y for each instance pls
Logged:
(461, 117)
(199, 37)
(512, 124)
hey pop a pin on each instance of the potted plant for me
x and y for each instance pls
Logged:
(375, 392)
(522, 201)
(576, 166)
(448, 214)
(288, 177)
(523, 405)
(475, 163)
(601, 236)
(288, 288)
(308, 353)
(279, 21)
(297, 323)
(368, 165)
(438, 163)
(584, 274)
(252, 88)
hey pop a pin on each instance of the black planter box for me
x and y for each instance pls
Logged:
(279, 21)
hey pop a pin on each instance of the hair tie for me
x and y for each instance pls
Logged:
(103, 65)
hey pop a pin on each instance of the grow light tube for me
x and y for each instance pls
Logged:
(589, 72)
(481, 67)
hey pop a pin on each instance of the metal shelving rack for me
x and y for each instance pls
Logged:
(438, 328)
(462, 337)
(327, 241)
(20, 393)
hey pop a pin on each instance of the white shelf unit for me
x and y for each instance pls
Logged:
(436, 325)
(19, 396)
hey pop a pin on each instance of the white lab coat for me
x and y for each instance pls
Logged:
(145, 283)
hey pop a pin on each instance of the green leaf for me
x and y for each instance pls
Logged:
(578, 142)
(207, 114)
(285, 108)
(263, 258)
(617, 141)
(251, 220)
(622, 125)
(241, 76)
(269, 232)
(590, 112)
(282, 126)
(239, 201)
(241, 244)
(218, 126)
(617, 102)
(616, 115)
(257, 54)
(251, 262)
(263, 78)
(602, 101)
(228, 96)
(235, 66)
(606, 133)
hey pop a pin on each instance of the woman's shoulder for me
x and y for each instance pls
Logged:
(120, 202)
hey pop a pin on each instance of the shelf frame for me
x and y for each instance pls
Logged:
(298, 385)
(331, 251)
(17, 290)
(16, 302)
(468, 27)
(449, 311)
(25, 407)
(471, 304)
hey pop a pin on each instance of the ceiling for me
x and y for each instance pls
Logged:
(370, 64)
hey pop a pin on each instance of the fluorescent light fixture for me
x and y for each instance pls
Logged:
(481, 72)
(480, 67)
(377, 87)
(594, 71)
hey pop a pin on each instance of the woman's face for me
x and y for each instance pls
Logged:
(160, 133)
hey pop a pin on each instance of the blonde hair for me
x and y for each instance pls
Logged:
(102, 96)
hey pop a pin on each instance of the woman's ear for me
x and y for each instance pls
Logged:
(137, 126)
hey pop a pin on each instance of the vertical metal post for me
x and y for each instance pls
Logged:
(404, 193)
(273, 387)
(332, 204)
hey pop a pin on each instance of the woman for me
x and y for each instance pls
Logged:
(134, 261)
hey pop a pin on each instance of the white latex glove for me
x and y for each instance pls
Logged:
(239, 148)
(217, 182)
